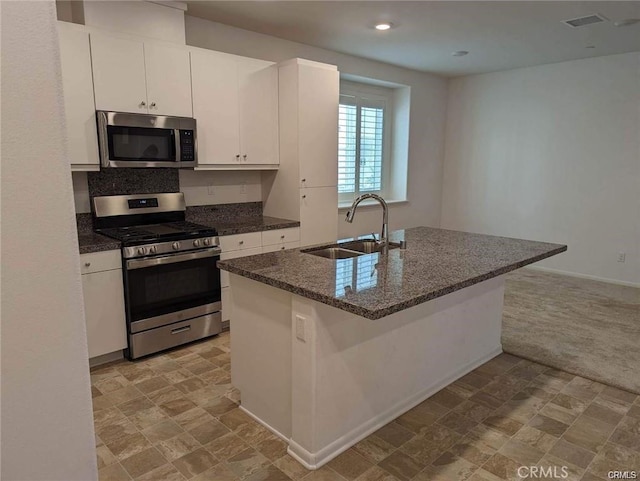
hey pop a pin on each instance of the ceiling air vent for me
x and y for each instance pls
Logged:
(584, 21)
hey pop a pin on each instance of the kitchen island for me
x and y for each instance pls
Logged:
(326, 351)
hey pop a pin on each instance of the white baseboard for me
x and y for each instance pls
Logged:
(316, 460)
(583, 276)
(106, 358)
(270, 428)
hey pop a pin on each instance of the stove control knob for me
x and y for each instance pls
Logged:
(142, 251)
(153, 250)
(207, 242)
(176, 246)
(196, 243)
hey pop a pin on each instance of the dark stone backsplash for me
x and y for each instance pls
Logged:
(223, 212)
(132, 181)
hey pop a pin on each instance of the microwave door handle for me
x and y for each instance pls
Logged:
(171, 259)
(176, 142)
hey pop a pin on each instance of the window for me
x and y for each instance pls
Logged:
(364, 126)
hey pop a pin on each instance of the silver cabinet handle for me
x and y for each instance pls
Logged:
(282, 237)
(153, 104)
(87, 264)
(244, 156)
(304, 196)
(180, 329)
(238, 156)
(240, 242)
(303, 180)
(143, 104)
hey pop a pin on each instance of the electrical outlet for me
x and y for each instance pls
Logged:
(211, 190)
(300, 334)
(243, 188)
(622, 256)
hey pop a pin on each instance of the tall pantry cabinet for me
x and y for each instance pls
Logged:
(305, 186)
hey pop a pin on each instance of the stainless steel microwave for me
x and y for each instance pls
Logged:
(138, 140)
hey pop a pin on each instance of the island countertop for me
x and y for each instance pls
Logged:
(435, 262)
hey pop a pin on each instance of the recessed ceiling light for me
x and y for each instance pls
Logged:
(383, 26)
(459, 53)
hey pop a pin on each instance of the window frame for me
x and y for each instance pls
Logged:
(361, 92)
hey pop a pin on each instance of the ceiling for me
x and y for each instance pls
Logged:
(499, 35)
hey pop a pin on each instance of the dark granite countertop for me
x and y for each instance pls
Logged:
(436, 262)
(243, 225)
(91, 242)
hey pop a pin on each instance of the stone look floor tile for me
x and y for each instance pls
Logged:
(350, 464)
(195, 462)
(166, 472)
(167, 420)
(574, 454)
(113, 472)
(402, 466)
(589, 433)
(247, 462)
(143, 462)
(178, 446)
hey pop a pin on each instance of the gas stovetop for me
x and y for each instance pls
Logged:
(143, 234)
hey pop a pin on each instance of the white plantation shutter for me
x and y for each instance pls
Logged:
(361, 144)
(347, 142)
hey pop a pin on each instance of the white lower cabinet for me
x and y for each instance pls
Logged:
(103, 302)
(243, 245)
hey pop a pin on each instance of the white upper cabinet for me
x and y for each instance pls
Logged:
(214, 83)
(168, 80)
(318, 96)
(137, 77)
(118, 74)
(235, 102)
(79, 106)
(258, 84)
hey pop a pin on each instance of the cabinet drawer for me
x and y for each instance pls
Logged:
(100, 261)
(240, 241)
(280, 247)
(280, 236)
(224, 275)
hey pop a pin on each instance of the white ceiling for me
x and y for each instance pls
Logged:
(499, 35)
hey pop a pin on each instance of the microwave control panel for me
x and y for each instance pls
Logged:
(187, 146)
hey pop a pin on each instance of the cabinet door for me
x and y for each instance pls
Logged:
(318, 215)
(79, 106)
(318, 96)
(258, 83)
(104, 312)
(214, 82)
(168, 80)
(118, 74)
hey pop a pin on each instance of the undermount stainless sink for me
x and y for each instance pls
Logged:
(333, 253)
(367, 246)
(346, 250)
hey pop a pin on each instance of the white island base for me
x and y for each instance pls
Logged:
(323, 379)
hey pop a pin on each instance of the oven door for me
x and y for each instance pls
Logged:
(165, 289)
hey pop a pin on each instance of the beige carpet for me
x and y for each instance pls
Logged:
(585, 327)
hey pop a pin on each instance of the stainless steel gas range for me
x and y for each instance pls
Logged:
(171, 281)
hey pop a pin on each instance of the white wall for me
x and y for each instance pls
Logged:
(550, 153)
(428, 110)
(47, 424)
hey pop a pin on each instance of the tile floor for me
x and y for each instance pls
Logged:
(175, 416)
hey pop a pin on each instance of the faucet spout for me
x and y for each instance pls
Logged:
(384, 233)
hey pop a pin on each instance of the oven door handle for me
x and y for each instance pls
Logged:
(171, 259)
